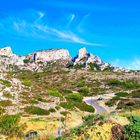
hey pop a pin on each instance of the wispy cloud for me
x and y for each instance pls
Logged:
(40, 29)
(133, 64)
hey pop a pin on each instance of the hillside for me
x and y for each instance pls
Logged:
(84, 98)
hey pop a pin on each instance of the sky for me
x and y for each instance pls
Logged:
(107, 28)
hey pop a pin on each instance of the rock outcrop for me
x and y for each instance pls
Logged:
(59, 58)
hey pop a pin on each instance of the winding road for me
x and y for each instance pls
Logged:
(98, 109)
(93, 101)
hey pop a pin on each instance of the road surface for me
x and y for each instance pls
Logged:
(98, 109)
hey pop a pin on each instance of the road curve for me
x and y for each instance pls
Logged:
(98, 109)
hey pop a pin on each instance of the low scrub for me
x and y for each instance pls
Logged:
(5, 83)
(75, 97)
(36, 110)
(84, 107)
(54, 92)
(122, 94)
(9, 126)
(6, 103)
(26, 82)
(85, 91)
(67, 105)
(132, 131)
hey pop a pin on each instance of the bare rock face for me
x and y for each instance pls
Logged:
(7, 51)
(82, 53)
(50, 55)
(8, 59)
(41, 60)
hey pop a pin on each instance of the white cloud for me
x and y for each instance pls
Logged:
(135, 64)
(129, 64)
(39, 29)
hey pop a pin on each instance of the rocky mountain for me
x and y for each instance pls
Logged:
(46, 59)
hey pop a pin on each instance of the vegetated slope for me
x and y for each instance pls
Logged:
(55, 94)
(45, 96)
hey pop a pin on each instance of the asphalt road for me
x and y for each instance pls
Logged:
(98, 109)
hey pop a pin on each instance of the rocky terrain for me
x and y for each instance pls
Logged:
(82, 97)
(41, 60)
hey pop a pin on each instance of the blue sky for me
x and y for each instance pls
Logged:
(107, 28)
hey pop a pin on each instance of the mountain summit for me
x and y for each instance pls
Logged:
(46, 59)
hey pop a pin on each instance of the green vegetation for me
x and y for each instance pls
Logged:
(26, 61)
(94, 66)
(84, 91)
(113, 101)
(36, 110)
(128, 84)
(54, 92)
(9, 126)
(7, 95)
(6, 103)
(122, 94)
(67, 105)
(64, 113)
(75, 97)
(5, 83)
(26, 82)
(135, 94)
(84, 107)
(132, 131)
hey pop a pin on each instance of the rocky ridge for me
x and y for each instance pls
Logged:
(40, 60)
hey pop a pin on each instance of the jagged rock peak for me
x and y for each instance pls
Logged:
(6, 51)
(82, 53)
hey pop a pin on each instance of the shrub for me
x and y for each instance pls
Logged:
(36, 110)
(5, 103)
(75, 97)
(6, 83)
(26, 61)
(84, 91)
(135, 94)
(132, 131)
(52, 110)
(1, 111)
(114, 82)
(67, 105)
(54, 92)
(84, 107)
(9, 126)
(113, 101)
(131, 84)
(26, 82)
(64, 113)
(122, 94)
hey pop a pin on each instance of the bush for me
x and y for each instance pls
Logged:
(114, 82)
(26, 82)
(9, 126)
(75, 97)
(64, 113)
(67, 105)
(84, 107)
(113, 101)
(122, 94)
(5, 103)
(36, 110)
(54, 92)
(1, 111)
(6, 83)
(131, 84)
(135, 94)
(84, 91)
(26, 61)
(132, 131)
(51, 110)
